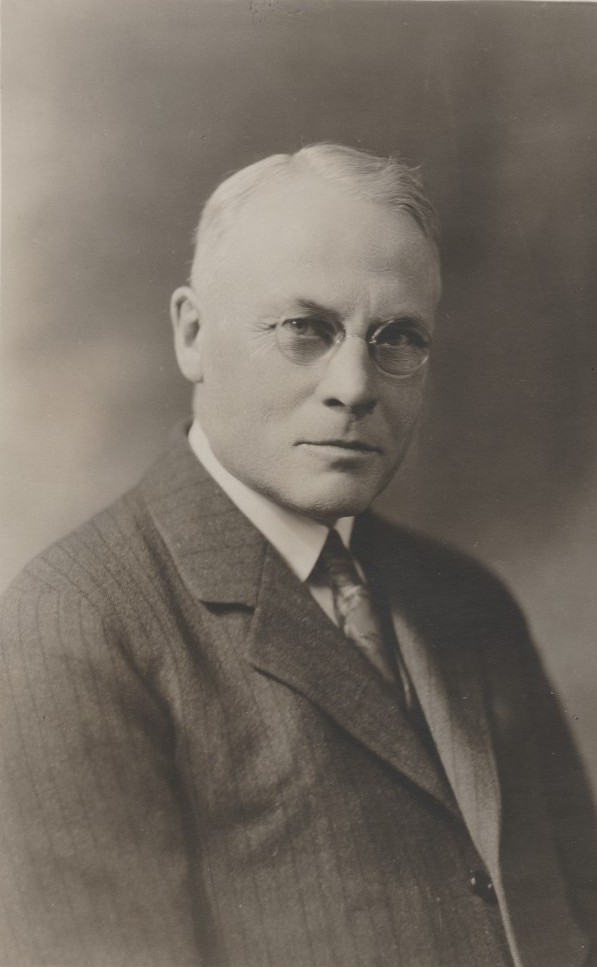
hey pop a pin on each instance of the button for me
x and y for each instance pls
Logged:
(482, 886)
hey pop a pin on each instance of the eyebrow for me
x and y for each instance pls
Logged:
(309, 305)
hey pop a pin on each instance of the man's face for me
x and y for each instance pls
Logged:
(325, 438)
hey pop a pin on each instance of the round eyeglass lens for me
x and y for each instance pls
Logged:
(304, 341)
(399, 351)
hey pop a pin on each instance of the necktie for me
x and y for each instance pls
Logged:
(353, 606)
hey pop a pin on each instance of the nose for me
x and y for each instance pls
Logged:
(349, 379)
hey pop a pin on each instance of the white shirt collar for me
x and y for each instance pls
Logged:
(299, 540)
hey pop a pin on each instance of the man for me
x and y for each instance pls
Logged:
(246, 721)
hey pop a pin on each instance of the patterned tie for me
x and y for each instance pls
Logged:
(353, 605)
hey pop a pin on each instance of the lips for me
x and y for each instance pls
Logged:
(358, 445)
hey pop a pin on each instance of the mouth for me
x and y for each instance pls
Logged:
(357, 446)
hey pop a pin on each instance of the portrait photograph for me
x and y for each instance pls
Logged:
(299, 486)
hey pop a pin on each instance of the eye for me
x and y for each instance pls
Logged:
(306, 339)
(308, 329)
(400, 348)
(401, 334)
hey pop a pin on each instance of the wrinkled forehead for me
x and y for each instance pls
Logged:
(303, 225)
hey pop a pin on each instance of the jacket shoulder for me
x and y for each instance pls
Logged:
(442, 583)
(90, 607)
(95, 561)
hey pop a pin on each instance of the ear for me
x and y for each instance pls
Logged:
(186, 322)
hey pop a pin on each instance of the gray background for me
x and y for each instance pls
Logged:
(119, 118)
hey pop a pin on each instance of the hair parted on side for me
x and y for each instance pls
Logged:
(385, 181)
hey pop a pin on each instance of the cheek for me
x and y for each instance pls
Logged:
(401, 409)
(279, 391)
(262, 385)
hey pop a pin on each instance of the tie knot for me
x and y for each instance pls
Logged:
(336, 565)
(353, 606)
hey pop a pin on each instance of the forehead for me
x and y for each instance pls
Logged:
(306, 236)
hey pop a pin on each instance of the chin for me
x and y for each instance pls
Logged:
(328, 507)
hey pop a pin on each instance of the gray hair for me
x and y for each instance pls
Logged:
(385, 181)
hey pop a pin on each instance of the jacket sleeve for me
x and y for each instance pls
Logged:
(567, 795)
(94, 871)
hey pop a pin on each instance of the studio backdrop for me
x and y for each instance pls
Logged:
(121, 116)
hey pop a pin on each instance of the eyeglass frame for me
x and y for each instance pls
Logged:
(339, 337)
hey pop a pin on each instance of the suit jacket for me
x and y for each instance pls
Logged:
(200, 769)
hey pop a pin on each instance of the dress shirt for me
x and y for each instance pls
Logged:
(298, 539)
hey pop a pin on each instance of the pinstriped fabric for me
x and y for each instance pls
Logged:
(197, 772)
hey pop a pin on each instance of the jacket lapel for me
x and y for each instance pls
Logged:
(444, 665)
(450, 695)
(293, 641)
